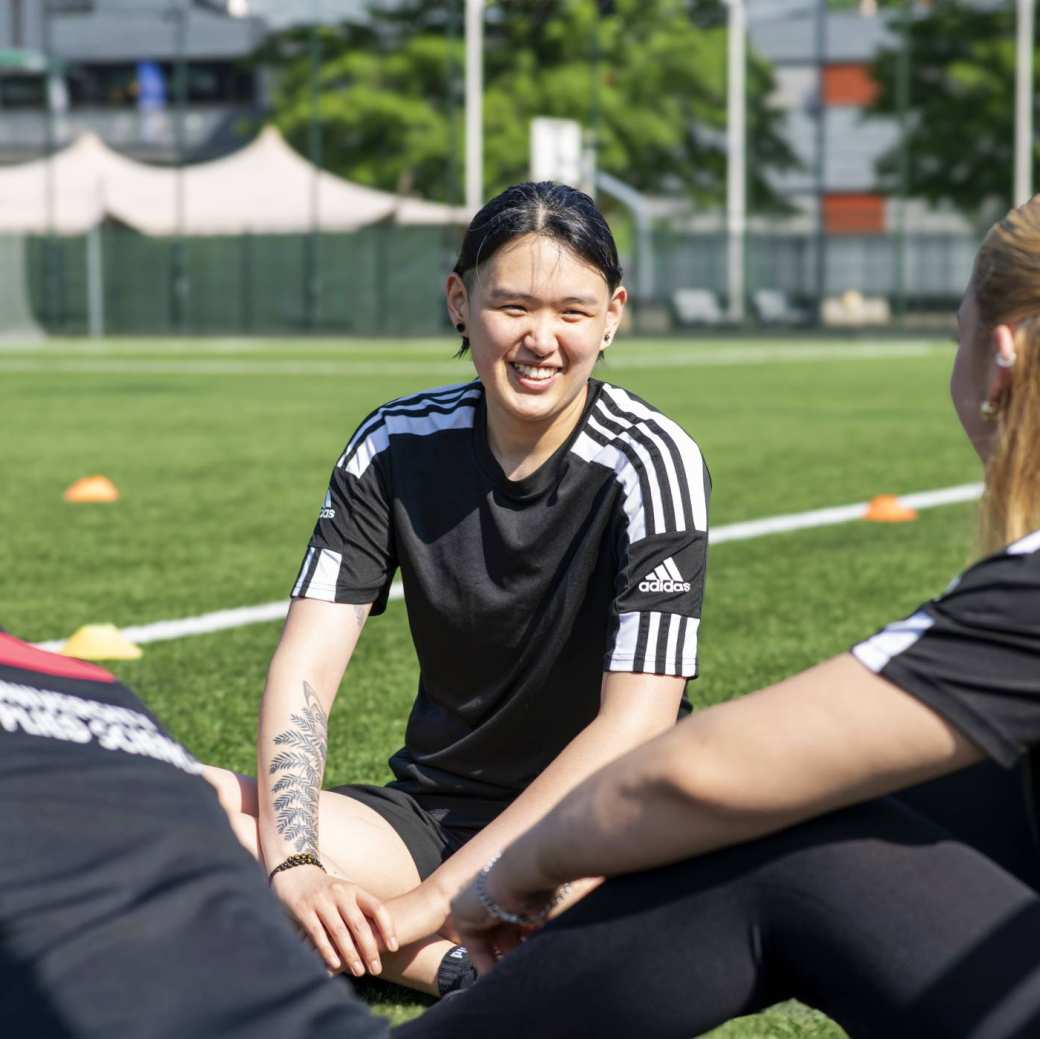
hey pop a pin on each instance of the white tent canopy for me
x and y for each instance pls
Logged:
(263, 188)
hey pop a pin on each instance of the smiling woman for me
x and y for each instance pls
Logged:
(528, 512)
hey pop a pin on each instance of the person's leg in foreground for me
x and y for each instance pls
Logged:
(872, 915)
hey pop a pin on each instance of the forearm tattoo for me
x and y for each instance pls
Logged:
(301, 765)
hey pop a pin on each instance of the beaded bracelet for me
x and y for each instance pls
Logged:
(519, 919)
(306, 859)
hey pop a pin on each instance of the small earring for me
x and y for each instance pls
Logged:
(1005, 362)
(460, 326)
(988, 411)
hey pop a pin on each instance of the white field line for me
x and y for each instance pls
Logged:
(44, 364)
(222, 620)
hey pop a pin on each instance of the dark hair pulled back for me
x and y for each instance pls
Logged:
(555, 211)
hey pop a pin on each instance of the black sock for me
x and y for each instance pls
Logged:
(456, 972)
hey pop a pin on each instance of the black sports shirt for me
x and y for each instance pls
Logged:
(973, 655)
(520, 594)
(127, 907)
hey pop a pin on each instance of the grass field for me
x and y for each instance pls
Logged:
(222, 449)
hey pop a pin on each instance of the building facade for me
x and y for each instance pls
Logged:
(825, 87)
(113, 70)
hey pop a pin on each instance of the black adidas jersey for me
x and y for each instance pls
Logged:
(973, 655)
(520, 594)
(127, 906)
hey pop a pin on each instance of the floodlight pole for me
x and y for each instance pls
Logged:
(903, 106)
(820, 35)
(1024, 148)
(179, 274)
(736, 164)
(312, 288)
(474, 104)
(50, 272)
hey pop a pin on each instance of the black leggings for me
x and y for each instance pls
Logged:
(873, 915)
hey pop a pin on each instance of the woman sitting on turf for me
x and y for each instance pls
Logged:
(550, 531)
(911, 917)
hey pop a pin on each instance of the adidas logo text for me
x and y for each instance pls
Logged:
(664, 578)
(327, 511)
(654, 585)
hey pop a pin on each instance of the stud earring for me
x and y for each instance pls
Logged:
(460, 327)
(1005, 362)
(988, 411)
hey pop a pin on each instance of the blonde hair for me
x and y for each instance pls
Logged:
(1006, 284)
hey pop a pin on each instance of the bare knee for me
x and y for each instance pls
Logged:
(237, 793)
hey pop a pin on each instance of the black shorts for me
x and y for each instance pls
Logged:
(433, 827)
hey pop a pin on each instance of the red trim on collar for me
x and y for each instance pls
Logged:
(15, 653)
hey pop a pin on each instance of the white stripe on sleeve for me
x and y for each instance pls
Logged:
(625, 643)
(298, 587)
(688, 451)
(650, 655)
(656, 498)
(689, 649)
(673, 639)
(323, 584)
(896, 638)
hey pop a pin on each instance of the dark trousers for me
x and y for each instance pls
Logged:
(874, 915)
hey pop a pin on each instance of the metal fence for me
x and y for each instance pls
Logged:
(388, 280)
(380, 280)
(932, 273)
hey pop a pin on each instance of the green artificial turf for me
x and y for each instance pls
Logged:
(222, 449)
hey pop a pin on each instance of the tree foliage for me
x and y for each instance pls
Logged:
(960, 140)
(648, 76)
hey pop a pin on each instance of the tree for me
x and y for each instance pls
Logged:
(647, 76)
(960, 142)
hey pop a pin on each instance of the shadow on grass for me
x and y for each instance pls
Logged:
(394, 1002)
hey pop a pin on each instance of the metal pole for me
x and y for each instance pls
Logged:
(903, 106)
(95, 284)
(590, 142)
(1025, 29)
(474, 104)
(640, 209)
(179, 294)
(736, 134)
(49, 187)
(311, 286)
(821, 229)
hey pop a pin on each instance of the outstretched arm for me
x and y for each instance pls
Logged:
(829, 737)
(633, 709)
(318, 640)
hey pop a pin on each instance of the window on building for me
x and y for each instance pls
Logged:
(116, 85)
(21, 91)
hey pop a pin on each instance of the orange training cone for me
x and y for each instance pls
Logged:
(92, 489)
(100, 642)
(887, 508)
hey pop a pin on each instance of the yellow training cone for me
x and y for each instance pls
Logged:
(100, 642)
(92, 489)
(887, 508)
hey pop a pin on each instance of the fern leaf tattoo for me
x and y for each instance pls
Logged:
(301, 765)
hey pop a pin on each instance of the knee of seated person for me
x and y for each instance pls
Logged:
(229, 790)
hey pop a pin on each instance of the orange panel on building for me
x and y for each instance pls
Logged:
(854, 214)
(848, 85)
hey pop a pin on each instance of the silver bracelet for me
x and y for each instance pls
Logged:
(519, 919)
